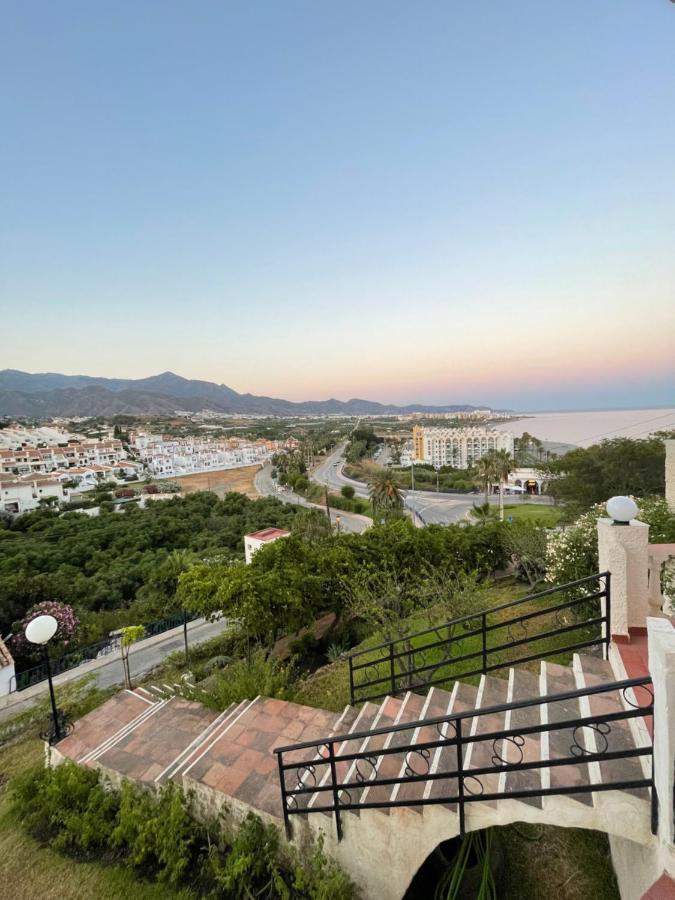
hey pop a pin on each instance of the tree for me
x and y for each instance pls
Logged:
(66, 620)
(502, 466)
(482, 512)
(130, 635)
(526, 542)
(384, 493)
(484, 474)
(348, 492)
(593, 474)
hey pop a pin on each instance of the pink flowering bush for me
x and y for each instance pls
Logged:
(68, 624)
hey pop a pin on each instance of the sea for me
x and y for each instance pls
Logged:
(581, 429)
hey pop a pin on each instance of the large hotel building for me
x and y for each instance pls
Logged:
(458, 447)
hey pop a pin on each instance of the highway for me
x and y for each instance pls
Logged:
(267, 487)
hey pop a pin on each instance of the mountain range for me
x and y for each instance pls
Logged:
(48, 394)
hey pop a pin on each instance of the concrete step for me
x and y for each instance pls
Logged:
(363, 770)
(363, 721)
(184, 758)
(559, 743)
(610, 736)
(523, 686)
(481, 754)
(437, 703)
(464, 698)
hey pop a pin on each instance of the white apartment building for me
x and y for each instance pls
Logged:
(458, 447)
(74, 454)
(20, 495)
(171, 456)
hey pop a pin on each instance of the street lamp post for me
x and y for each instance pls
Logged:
(40, 631)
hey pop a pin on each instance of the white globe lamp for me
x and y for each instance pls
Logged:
(41, 629)
(622, 510)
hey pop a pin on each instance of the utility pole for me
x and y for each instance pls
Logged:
(327, 504)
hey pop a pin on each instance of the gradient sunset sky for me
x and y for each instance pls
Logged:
(459, 201)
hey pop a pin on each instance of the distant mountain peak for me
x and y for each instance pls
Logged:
(52, 394)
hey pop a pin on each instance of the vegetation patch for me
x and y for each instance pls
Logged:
(73, 810)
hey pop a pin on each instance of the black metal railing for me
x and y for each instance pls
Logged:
(404, 764)
(484, 642)
(81, 655)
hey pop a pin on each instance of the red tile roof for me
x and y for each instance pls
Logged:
(269, 534)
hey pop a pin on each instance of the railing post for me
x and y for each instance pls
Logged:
(484, 637)
(282, 785)
(336, 797)
(185, 637)
(608, 612)
(661, 644)
(460, 777)
(392, 673)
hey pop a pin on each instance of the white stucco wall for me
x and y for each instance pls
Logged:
(623, 550)
(670, 474)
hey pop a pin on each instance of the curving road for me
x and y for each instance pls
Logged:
(267, 487)
(428, 507)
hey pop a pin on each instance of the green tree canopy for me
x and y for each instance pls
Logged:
(591, 475)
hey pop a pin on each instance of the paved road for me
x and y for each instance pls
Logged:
(430, 507)
(142, 658)
(267, 486)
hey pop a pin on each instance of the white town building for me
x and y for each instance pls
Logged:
(458, 447)
(23, 494)
(257, 539)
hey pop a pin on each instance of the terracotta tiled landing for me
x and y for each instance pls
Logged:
(146, 752)
(102, 723)
(635, 658)
(620, 737)
(560, 679)
(242, 764)
(663, 889)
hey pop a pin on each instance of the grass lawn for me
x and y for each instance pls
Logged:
(548, 516)
(564, 863)
(335, 679)
(28, 870)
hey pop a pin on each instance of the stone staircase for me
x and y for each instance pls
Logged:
(397, 788)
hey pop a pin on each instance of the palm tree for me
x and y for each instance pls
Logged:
(485, 473)
(502, 463)
(384, 492)
(482, 513)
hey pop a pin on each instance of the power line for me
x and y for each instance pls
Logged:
(634, 425)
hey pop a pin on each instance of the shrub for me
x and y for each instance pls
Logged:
(71, 809)
(66, 620)
(573, 553)
(244, 679)
(157, 832)
(348, 492)
(67, 808)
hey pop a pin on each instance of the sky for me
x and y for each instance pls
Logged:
(445, 202)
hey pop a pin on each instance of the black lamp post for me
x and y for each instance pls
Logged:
(40, 631)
